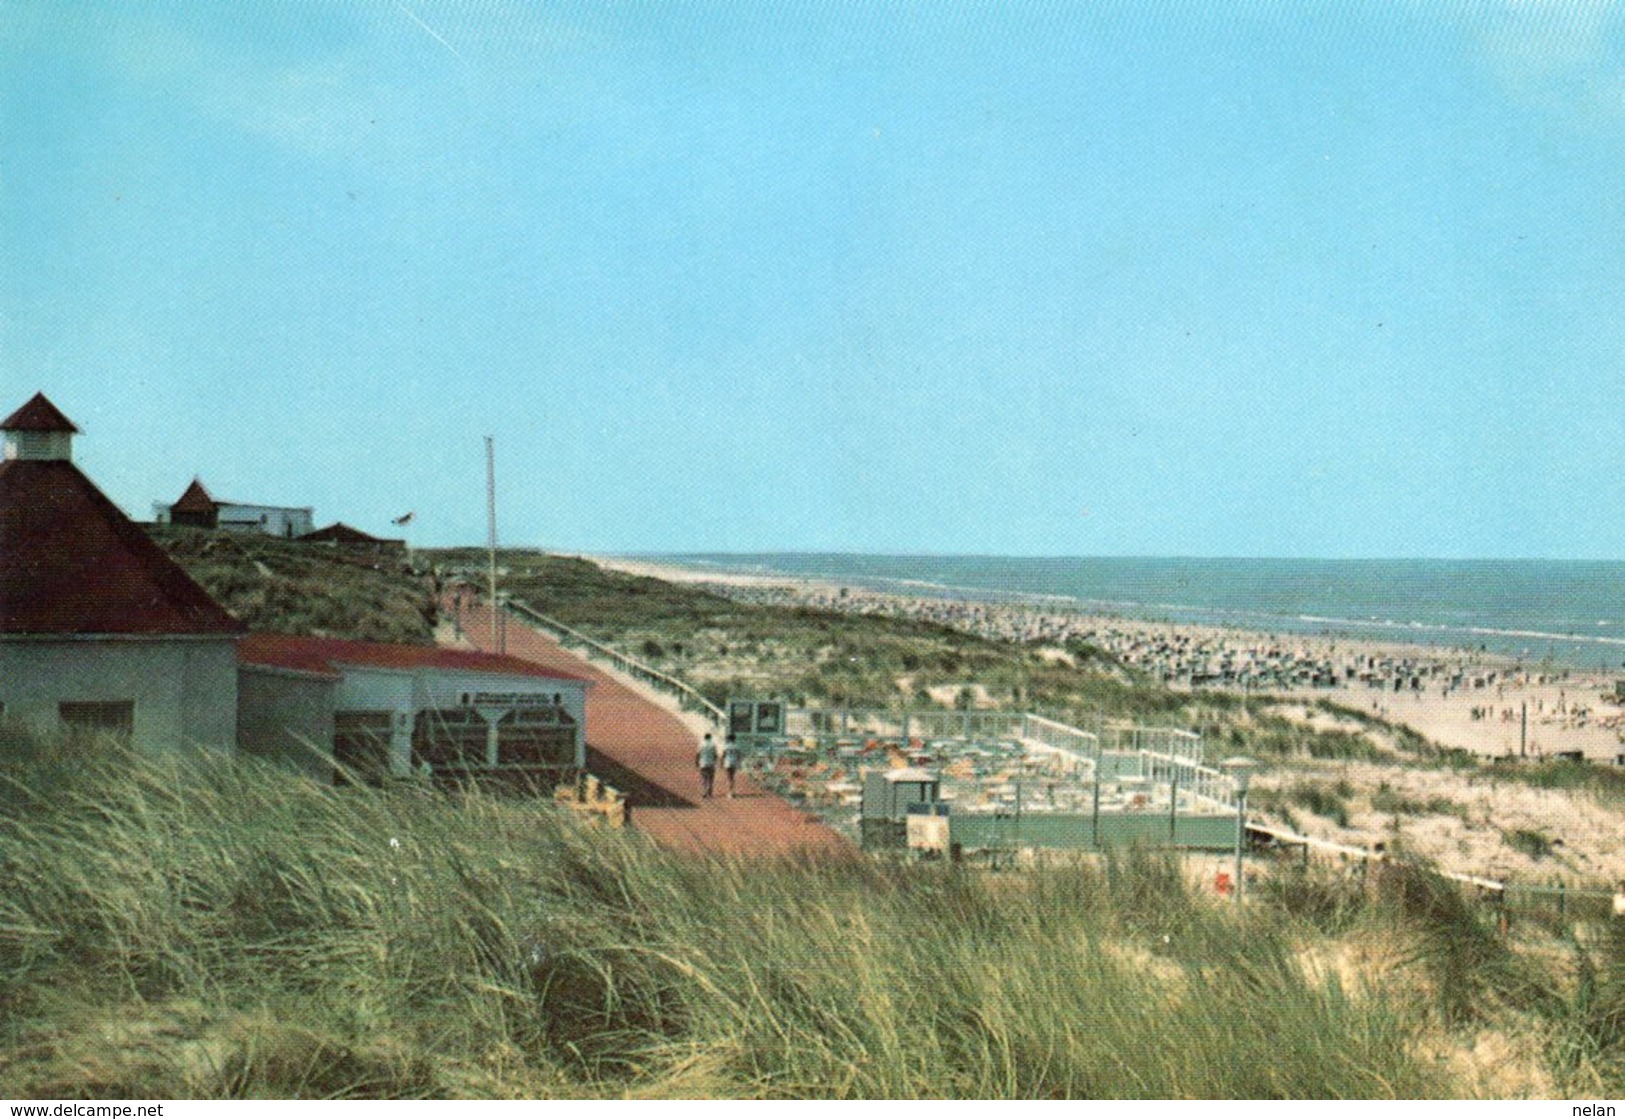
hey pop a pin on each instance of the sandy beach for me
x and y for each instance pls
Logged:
(1460, 699)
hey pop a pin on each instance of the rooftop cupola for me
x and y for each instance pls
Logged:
(38, 432)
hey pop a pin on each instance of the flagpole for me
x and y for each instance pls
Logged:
(491, 526)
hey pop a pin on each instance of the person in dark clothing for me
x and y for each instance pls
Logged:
(706, 760)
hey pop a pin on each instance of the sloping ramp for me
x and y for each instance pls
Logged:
(647, 752)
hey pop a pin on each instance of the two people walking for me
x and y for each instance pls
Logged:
(706, 760)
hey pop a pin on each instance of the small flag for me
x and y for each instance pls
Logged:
(405, 519)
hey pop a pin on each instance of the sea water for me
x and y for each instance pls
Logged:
(1569, 613)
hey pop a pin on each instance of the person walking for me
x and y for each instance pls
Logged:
(730, 762)
(706, 760)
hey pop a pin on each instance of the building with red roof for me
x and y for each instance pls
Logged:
(340, 535)
(39, 431)
(100, 628)
(378, 709)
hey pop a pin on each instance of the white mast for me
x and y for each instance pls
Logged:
(491, 524)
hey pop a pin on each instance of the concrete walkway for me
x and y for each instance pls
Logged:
(646, 751)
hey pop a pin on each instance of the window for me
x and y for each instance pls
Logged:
(116, 718)
(450, 739)
(455, 739)
(537, 736)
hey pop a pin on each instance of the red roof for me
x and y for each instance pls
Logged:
(72, 563)
(196, 499)
(39, 414)
(340, 533)
(326, 656)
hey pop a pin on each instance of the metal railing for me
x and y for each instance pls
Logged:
(1365, 854)
(1169, 741)
(1047, 734)
(1201, 785)
(575, 639)
(1564, 899)
(1059, 736)
(985, 725)
(902, 725)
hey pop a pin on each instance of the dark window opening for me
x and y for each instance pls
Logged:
(116, 718)
(451, 739)
(537, 736)
(455, 739)
(361, 747)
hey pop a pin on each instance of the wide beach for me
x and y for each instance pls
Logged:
(1491, 706)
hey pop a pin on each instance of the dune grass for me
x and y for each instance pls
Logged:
(193, 926)
(285, 586)
(1605, 784)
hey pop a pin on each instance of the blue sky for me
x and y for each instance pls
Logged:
(1033, 279)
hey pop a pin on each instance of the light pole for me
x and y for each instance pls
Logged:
(1240, 770)
(1094, 815)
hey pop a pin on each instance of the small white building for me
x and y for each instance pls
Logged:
(392, 710)
(99, 628)
(201, 509)
(888, 793)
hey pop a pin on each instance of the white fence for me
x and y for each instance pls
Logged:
(575, 639)
(1190, 782)
(1169, 741)
(1059, 736)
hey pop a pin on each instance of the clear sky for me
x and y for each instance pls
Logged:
(1036, 278)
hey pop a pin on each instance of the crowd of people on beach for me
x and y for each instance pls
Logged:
(1177, 655)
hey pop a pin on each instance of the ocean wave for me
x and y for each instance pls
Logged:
(1472, 613)
(1271, 620)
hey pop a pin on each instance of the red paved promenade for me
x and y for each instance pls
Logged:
(646, 751)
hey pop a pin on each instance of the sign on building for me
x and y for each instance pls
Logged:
(509, 699)
(755, 718)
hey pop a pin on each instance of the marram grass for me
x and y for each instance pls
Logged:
(194, 926)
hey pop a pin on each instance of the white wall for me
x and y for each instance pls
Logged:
(184, 689)
(39, 445)
(270, 519)
(287, 716)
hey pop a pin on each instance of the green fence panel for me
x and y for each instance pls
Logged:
(1074, 831)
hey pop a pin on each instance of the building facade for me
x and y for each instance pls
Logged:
(353, 710)
(201, 509)
(99, 629)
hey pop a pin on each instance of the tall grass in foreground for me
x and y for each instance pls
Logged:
(193, 926)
